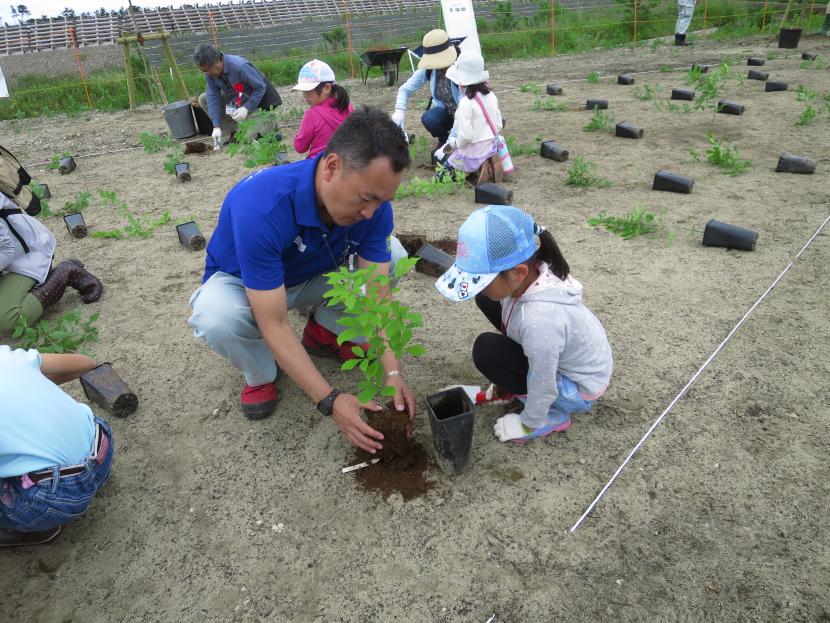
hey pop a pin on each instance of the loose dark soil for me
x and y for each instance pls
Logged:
(406, 475)
(394, 425)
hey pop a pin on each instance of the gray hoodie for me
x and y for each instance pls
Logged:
(557, 333)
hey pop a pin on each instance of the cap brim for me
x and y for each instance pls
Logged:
(458, 285)
(466, 79)
(305, 86)
(441, 60)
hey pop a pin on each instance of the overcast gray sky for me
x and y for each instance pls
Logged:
(53, 8)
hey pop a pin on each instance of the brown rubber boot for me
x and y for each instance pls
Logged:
(68, 273)
(485, 172)
(498, 172)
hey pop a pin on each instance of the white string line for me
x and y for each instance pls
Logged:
(693, 379)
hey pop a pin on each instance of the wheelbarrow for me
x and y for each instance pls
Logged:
(388, 60)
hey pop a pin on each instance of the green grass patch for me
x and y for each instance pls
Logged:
(636, 223)
(601, 121)
(583, 173)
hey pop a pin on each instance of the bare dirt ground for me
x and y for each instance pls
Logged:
(723, 515)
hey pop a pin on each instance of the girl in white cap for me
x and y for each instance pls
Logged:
(477, 121)
(328, 107)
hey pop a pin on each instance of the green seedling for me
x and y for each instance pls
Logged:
(664, 69)
(55, 161)
(135, 227)
(68, 333)
(530, 87)
(601, 121)
(108, 196)
(726, 158)
(442, 183)
(259, 149)
(523, 149)
(420, 149)
(645, 92)
(549, 104)
(80, 202)
(153, 142)
(709, 86)
(592, 78)
(582, 174)
(807, 117)
(695, 155)
(635, 223)
(803, 94)
(44, 203)
(385, 323)
(816, 64)
(175, 155)
(669, 106)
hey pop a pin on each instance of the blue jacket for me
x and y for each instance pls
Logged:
(258, 91)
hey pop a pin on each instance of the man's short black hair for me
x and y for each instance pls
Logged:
(206, 56)
(366, 134)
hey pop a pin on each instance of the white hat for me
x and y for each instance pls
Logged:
(468, 69)
(439, 52)
(313, 73)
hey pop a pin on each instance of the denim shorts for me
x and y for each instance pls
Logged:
(52, 502)
(568, 399)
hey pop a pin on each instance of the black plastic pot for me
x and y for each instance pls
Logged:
(672, 182)
(103, 386)
(754, 61)
(728, 107)
(704, 69)
(601, 104)
(554, 89)
(808, 56)
(493, 193)
(683, 94)
(754, 74)
(775, 85)
(44, 189)
(66, 165)
(451, 419)
(788, 163)
(788, 38)
(554, 151)
(190, 236)
(720, 234)
(75, 225)
(628, 130)
(433, 261)
(625, 79)
(182, 171)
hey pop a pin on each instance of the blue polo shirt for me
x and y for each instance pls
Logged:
(270, 234)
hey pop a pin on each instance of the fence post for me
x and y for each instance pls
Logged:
(349, 35)
(553, 27)
(165, 40)
(128, 68)
(213, 29)
(635, 22)
(73, 33)
(705, 11)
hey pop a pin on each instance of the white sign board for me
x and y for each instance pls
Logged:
(4, 91)
(460, 21)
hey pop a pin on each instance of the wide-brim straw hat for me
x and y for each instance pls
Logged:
(439, 52)
(468, 69)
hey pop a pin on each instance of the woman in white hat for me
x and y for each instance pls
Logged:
(439, 53)
(477, 121)
(328, 107)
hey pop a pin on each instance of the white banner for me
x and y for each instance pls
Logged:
(460, 21)
(4, 91)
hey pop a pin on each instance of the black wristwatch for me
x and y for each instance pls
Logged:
(326, 405)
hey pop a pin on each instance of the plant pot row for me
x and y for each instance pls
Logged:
(188, 233)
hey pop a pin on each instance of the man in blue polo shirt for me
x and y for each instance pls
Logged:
(279, 231)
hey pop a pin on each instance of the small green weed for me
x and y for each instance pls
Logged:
(664, 69)
(523, 149)
(635, 223)
(439, 184)
(68, 333)
(135, 227)
(549, 104)
(258, 149)
(582, 174)
(80, 202)
(108, 196)
(601, 121)
(592, 78)
(803, 94)
(55, 161)
(726, 158)
(530, 87)
(420, 149)
(816, 64)
(807, 117)
(683, 109)
(153, 142)
(645, 92)
(173, 157)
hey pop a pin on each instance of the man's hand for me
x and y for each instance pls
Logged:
(404, 399)
(399, 117)
(346, 415)
(217, 133)
(240, 114)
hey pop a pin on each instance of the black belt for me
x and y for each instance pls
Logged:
(46, 474)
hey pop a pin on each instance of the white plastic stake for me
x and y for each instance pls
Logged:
(352, 468)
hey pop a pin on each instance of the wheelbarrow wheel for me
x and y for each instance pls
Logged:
(390, 77)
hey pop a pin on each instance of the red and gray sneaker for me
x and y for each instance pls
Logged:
(319, 341)
(494, 396)
(259, 401)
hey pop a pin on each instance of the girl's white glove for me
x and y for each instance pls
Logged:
(509, 427)
(240, 114)
(439, 153)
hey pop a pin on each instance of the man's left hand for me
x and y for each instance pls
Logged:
(404, 399)
(240, 114)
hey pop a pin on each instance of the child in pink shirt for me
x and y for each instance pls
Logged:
(328, 107)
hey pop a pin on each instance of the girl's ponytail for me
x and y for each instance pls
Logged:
(341, 96)
(549, 253)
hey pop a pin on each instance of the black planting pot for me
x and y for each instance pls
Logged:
(75, 225)
(601, 104)
(190, 236)
(554, 89)
(683, 94)
(554, 151)
(775, 85)
(66, 165)
(625, 79)
(494, 194)
(103, 386)
(182, 171)
(628, 130)
(672, 182)
(788, 163)
(728, 107)
(720, 234)
(788, 38)
(704, 69)
(808, 56)
(44, 189)
(754, 61)
(433, 261)
(452, 420)
(754, 74)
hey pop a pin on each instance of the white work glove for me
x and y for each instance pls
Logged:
(240, 114)
(217, 133)
(509, 427)
(399, 116)
(452, 142)
(439, 153)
